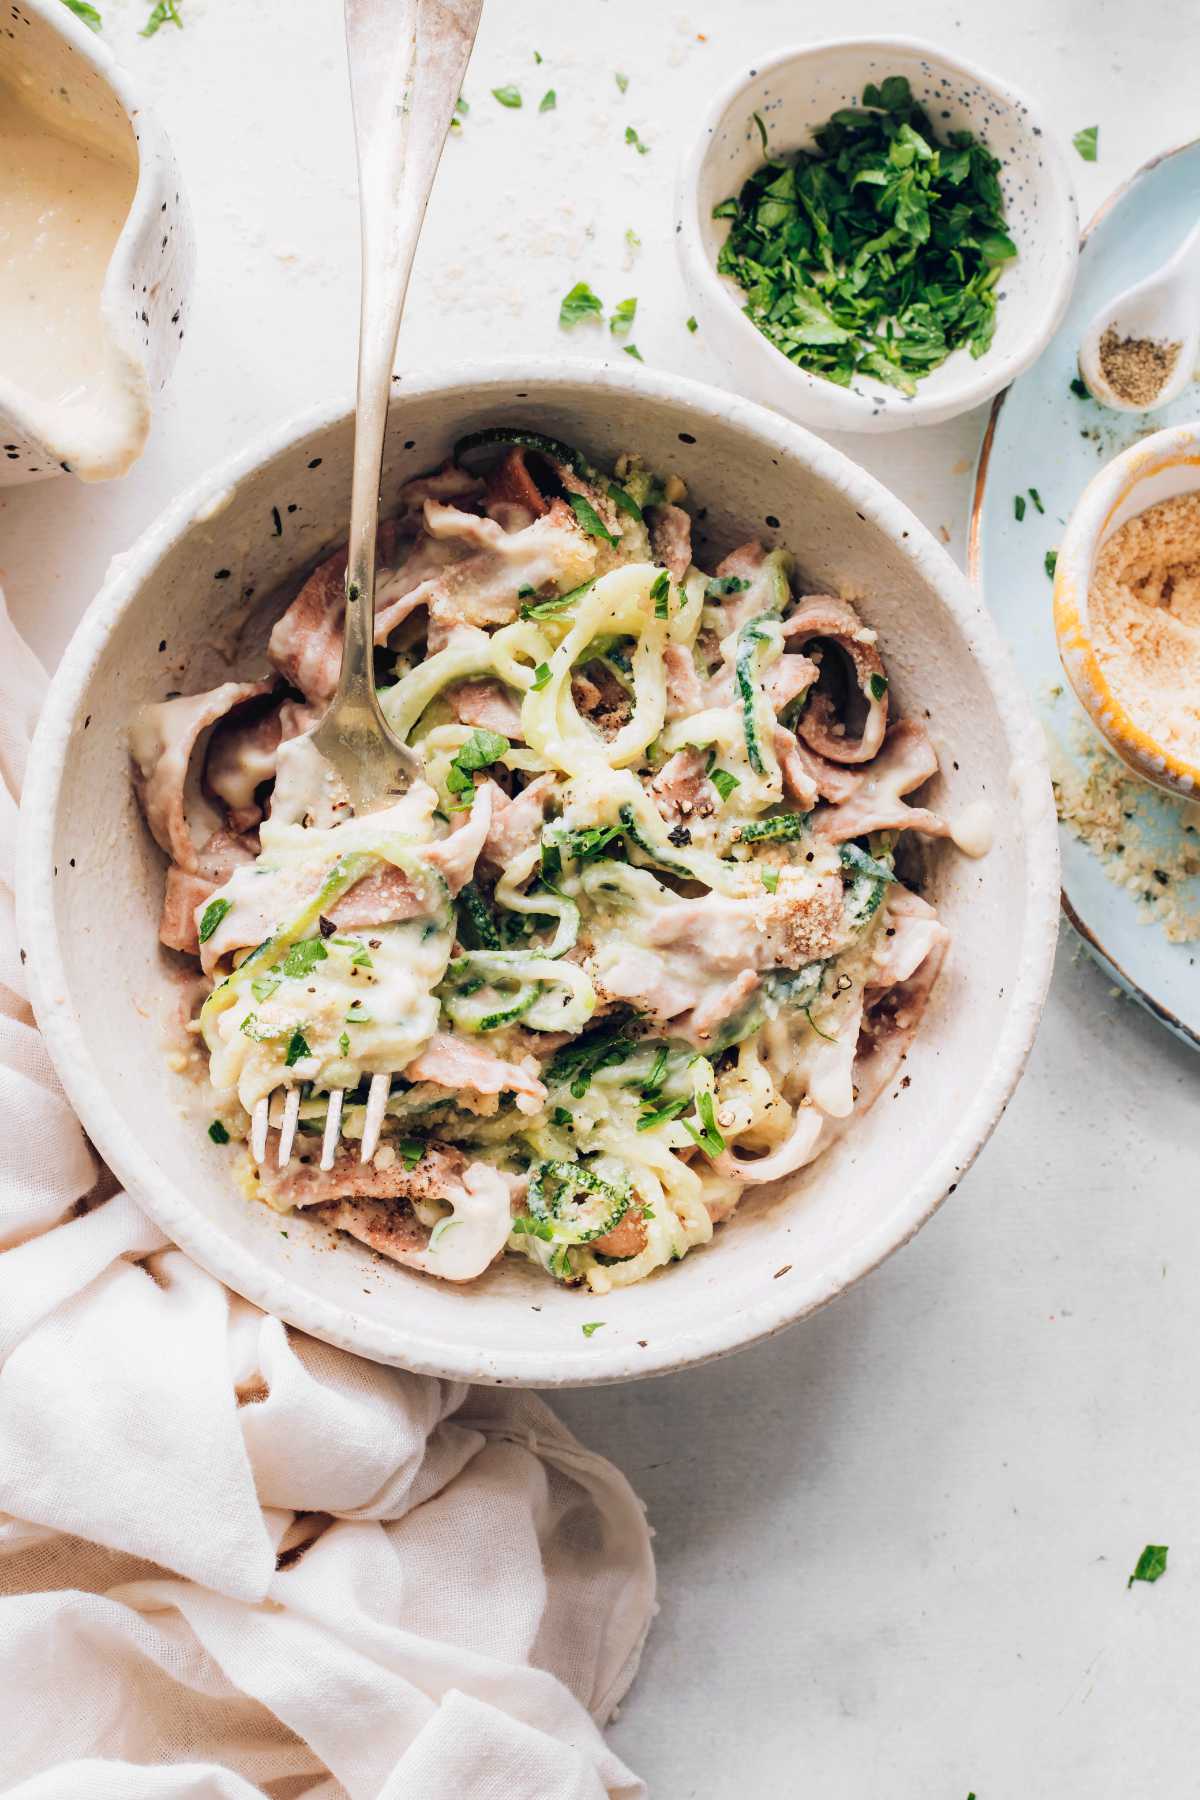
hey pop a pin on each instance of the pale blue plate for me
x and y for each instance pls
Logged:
(1042, 436)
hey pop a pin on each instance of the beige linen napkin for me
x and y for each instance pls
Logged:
(236, 1562)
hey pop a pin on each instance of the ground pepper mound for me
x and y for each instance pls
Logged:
(1136, 369)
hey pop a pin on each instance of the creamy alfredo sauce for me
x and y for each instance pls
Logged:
(64, 196)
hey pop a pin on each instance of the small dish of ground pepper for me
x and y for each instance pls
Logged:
(874, 234)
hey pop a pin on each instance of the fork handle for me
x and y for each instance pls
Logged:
(407, 62)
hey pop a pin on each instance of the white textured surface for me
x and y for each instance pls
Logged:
(893, 1543)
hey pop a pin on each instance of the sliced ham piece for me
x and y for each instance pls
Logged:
(517, 824)
(907, 759)
(627, 1238)
(481, 585)
(890, 1025)
(453, 1062)
(798, 783)
(455, 856)
(685, 693)
(303, 1183)
(384, 897)
(825, 778)
(788, 678)
(163, 740)
(487, 704)
(473, 1236)
(836, 622)
(682, 790)
(512, 497)
(671, 538)
(911, 931)
(797, 1149)
(449, 482)
(718, 1008)
(186, 892)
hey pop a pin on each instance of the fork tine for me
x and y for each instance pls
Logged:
(258, 1128)
(287, 1131)
(376, 1102)
(333, 1125)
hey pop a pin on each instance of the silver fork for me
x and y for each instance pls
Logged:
(407, 62)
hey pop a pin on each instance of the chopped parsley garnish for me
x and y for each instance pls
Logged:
(631, 137)
(165, 12)
(344, 1043)
(621, 80)
(1150, 1564)
(507, 96)
(660, 593)
(1019, 507)
(877, 253)
(633, 242)
(577, 1063)
(211, 917)
(537, 56)
(356, 1016)
(770, 880)
(541, 676)
(87, 13)
(303, 958)
(817, 1028)
(560, 603)
(412, 1150)
(590, 519)
(724, 782)
(878, 686)
(657, 1075)
(1086, 142)
(692, 323)
(263, 986)
(708, 1137)
(297, 1047)
(661, 1115)
(592, 1327)
(1037, 499)
(717, 587)
(1079, 389)
(480, 751)
(762, 132)
(622, 318)
(560, 1117)
(218, 1133)
(1051, 562)
(548, 101)
(632, 350)
(462, 107)
(579, 303)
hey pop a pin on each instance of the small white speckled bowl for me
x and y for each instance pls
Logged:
(1157, 468)
(91, 878)
(47, 53)
(795, 91)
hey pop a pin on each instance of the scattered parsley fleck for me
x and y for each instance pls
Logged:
(692, 324)
(708, 1137)
(631, 137)
(719, 587)
(660, 593)
(211, 917)
(218, 1133)
(560, 1116)
(878, 686)
(622, 317)
(541, 676)
(537, 56)
(1051, 561)
(579, 303)
(1037, 499)
(263, 986)
(590, 520)
(1079, 389)
(507, 96)
(770, 880)
(412, 1150)
(1086, 142)
(548, 101)
(303, 958)
(297, 1047)
(632, 350)
(622, 81)
(344, 1043)
(462, 107)
(1018, 507)
(165, 12)
(591, 1329)
(1150, 1564)
(633, 242)
(87, 13)
(481, 750)
(724, 783)
(762, 132)
(625, 502)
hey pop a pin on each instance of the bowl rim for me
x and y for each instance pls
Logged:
(859, 411)
(1108, 490)
(153, 150)
(186, 1224)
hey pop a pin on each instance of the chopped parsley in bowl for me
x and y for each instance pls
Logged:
(874, 235)
(879, 251)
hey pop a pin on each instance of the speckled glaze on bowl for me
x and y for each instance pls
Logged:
(87, 862)
(1158, 468)
(148, 285)
(795, 91)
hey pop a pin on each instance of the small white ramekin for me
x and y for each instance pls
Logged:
(1158, 468)
(795, 91)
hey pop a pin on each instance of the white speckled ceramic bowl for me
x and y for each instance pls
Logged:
(91, 880)
(46, 50)
(795, 91)
(1157, 468)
